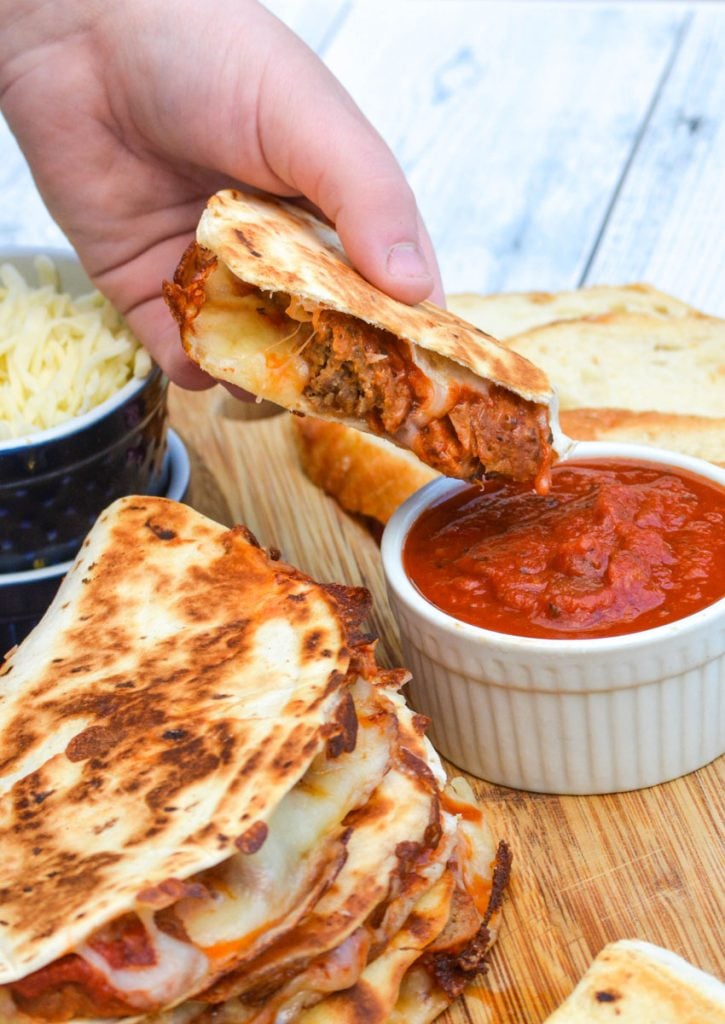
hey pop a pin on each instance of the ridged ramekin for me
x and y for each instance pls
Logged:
(595, 715)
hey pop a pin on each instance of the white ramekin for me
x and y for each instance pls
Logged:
(563, 716)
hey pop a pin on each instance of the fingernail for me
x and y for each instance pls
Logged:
(407, 260)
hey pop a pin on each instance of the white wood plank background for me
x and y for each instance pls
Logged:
(510, 122)
(549, 144)
(668, 220)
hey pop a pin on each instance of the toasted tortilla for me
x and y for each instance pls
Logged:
(267, 300)
(399, 810)
(260, 897)
(224, 806)
(634, 982)
(141, 741)
(372, 998)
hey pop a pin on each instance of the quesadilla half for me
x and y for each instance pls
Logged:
(636, 982)
(214, 805)
(267, 300)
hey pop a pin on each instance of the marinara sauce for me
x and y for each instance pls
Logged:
(615, 547)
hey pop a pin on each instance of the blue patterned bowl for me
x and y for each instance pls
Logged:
(25, 595)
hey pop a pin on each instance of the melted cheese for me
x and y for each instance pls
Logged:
(446, 378)
(178, 968)
(254, 893)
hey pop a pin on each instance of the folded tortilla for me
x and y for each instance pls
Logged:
(214, 805)
(635, 982)
(267, 300)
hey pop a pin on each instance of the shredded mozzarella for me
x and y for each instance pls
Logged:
(59, 356)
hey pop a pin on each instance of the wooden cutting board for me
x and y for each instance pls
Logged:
(587, 870)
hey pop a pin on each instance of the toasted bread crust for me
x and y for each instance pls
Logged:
(510, 313)
(365, 475)
(372, 478)
(633, 361)
(700, 436)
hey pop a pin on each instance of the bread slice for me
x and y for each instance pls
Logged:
(511, 313)
(633, 982)
(367, 475)
(700, 436)
(633, 361)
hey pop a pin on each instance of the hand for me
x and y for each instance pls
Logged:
(131, 114)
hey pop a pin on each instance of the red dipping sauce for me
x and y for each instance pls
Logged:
(617, 546)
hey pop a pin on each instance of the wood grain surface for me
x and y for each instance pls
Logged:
(587, 870)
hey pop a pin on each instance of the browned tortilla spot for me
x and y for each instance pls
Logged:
(252, 840)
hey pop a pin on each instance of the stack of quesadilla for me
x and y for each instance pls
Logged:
(216, 806)
(266, 299)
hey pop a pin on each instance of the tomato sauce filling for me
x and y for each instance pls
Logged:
(70, 987)
(615, 547)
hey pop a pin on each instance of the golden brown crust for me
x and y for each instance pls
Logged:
(509, 313)
(700, 436)
(364, 475)
(632, 982)
(114, 718)
(267, 300)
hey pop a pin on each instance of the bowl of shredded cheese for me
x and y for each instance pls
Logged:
(83, 415)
